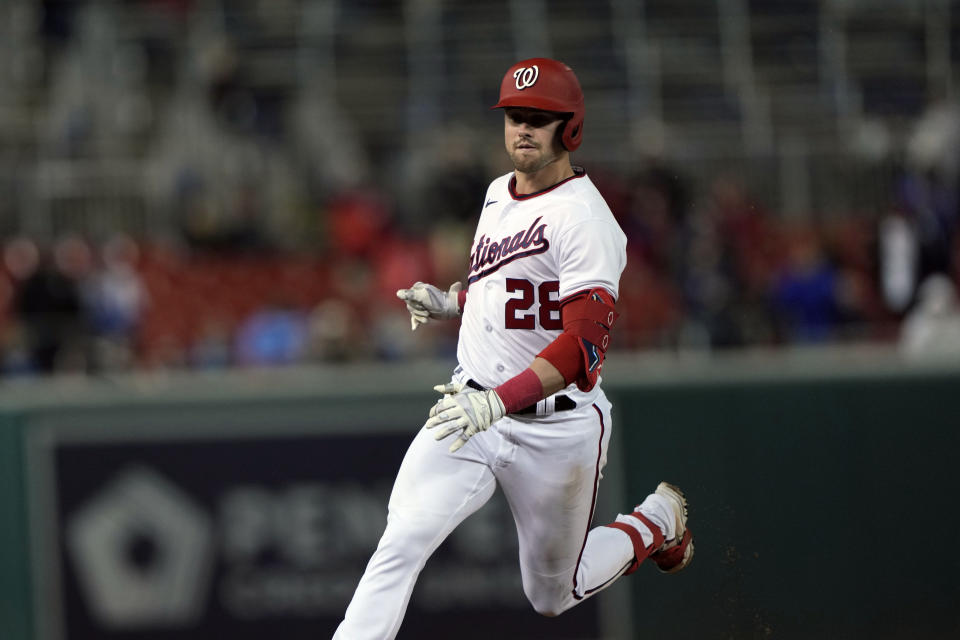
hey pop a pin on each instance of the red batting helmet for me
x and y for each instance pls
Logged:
(550, 85)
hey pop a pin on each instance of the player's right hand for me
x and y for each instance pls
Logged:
(465, 412)
(449, 388)
(425, 301)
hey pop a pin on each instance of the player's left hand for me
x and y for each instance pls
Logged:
(467, 411)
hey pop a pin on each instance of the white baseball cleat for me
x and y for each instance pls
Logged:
(676, 553)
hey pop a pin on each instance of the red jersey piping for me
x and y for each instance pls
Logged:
(578, 172)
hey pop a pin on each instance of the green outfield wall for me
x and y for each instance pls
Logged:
(245, 504)
(821, 498)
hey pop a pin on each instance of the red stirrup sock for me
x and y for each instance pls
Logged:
(639, 550)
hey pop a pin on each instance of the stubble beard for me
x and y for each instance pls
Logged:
(527, 164)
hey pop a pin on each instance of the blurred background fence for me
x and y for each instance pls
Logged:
(207, 206)
(203, 184)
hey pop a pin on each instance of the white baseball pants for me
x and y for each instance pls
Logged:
(549, 470)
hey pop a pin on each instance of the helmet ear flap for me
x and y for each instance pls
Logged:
(572, 133)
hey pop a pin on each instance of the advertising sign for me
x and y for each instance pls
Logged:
(260, 536)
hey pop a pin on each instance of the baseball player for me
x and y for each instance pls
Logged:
(524, 409)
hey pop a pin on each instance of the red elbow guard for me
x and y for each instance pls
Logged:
(579, 351)
(564, 354)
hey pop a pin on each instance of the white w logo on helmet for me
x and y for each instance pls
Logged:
(526, 76)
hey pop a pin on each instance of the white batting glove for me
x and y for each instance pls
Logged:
(449, 388)
(425, 301)
(466, 411)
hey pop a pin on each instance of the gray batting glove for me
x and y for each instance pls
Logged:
(425, 301)
(467, 411)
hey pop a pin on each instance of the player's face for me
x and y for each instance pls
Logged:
(531, 138)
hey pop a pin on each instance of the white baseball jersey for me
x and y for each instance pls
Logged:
(529, 253)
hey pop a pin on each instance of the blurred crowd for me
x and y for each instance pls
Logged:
(708, 272)
(272, 232)
(146, 304)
